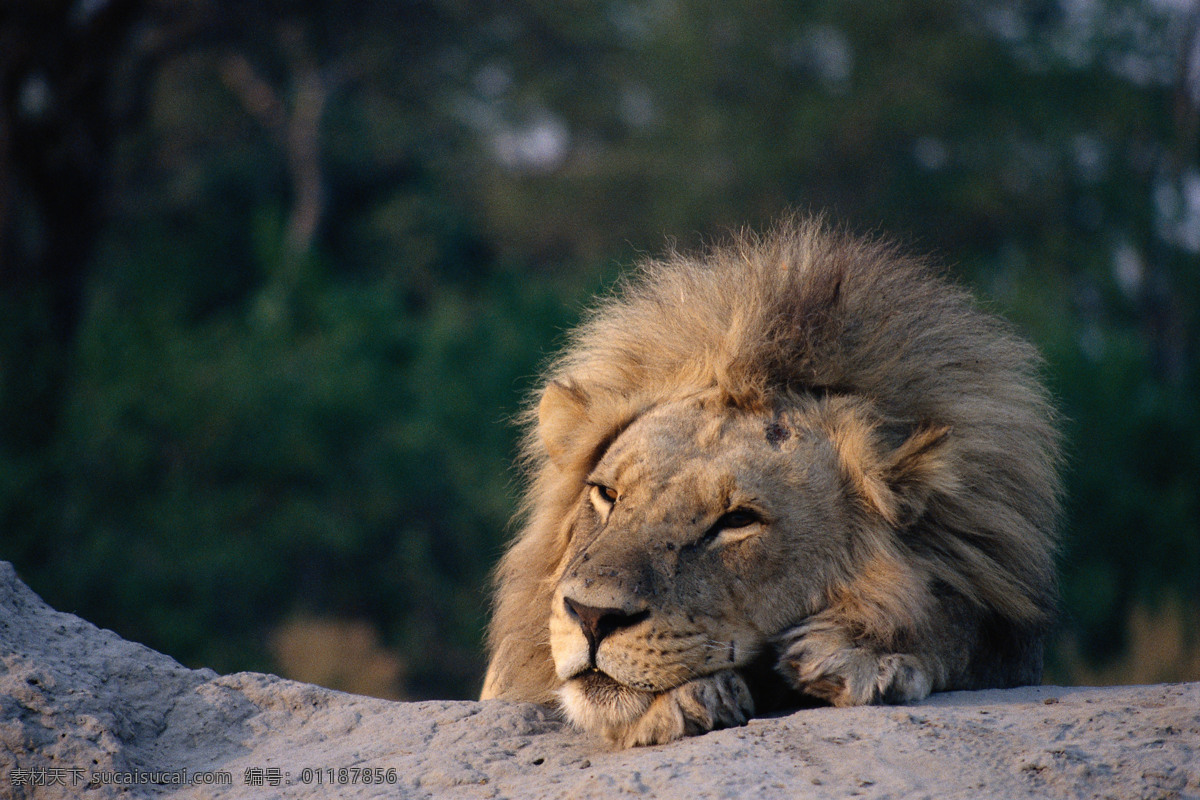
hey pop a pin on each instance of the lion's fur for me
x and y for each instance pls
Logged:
(765, 322)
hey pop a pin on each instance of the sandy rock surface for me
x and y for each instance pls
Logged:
(84, 713)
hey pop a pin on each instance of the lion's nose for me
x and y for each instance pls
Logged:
(598, 623)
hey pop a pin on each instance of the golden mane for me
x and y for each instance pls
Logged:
(804, 310)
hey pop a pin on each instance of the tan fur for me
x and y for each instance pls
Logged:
(892, 440)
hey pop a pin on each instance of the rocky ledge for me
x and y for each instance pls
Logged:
(84, 713)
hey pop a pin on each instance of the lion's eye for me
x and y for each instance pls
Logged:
(738, 518)
(733, 526)
(605, 494)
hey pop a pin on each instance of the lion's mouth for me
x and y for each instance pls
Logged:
(594, 698)
(602, 689)
(593, 681)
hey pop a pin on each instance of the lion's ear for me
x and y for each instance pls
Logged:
(916, 470)
(562, 412)
(895, 470)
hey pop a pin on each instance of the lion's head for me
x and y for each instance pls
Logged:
(704, 530)
(805, 447)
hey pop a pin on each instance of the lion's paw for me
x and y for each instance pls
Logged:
(720, 700)
(819, 658)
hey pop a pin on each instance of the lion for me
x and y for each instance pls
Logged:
(799, 468)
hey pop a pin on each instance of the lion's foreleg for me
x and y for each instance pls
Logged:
(822, 658)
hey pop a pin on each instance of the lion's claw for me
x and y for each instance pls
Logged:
(820, 659)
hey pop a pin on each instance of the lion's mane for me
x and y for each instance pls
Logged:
(802, 310)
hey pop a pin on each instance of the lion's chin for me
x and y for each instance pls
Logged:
(595, 702)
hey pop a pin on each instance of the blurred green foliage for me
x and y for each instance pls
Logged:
(276, 275)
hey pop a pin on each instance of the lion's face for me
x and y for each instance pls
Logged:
(700, 533)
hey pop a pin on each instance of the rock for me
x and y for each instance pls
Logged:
(84, 713)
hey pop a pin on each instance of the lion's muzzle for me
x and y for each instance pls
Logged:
(598, 623)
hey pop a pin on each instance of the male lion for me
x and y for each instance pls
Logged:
(801, 465)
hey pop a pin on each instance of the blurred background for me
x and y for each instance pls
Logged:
(275, 276)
